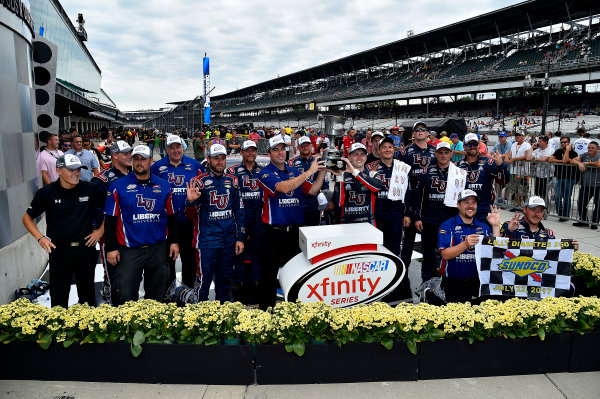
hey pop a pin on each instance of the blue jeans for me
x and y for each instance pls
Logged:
(564, 190)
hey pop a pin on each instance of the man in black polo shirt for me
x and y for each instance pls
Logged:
(70, 240)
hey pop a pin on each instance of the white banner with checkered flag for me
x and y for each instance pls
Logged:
(524, 268)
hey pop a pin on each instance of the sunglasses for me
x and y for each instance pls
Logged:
(420, 129)
(67, 145)
(564, 142)
(469, 145)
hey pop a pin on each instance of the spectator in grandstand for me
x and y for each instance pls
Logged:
(541, 154)
(199, 145)
(580, 145)
(349, 140)
(48, 159)
(566, 177)
(555, 141)
(444, 137)
(313, 140)
(458, 151)
(433, 140)
(367, 141)
(396, 137)
(589, 164)
(519, 171)
(234, 143)
(482, 172)
(254, 136)
(376, 137)
(322, 142)
(66, 144)
(215, 139)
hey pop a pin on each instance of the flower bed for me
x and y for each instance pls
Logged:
(295, 324)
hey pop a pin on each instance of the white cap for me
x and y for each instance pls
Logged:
(275, 141)
(120, 146)
(377, 133)
(471, 137)
(536, 201)
(322, 199)
(216, 149)
(357, 146)
(70, 162)
(247, 144)
(303, 140)
(419, 123)
(441, 145)
(174, 139)
(141, 150)
(464, 194)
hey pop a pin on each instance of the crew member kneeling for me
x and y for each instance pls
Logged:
(457, 238)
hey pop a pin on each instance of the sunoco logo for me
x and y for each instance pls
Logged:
(350, 280)
(523, 266)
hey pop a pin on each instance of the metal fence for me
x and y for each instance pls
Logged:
(568, 192)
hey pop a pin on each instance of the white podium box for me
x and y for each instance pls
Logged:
(317, 240)
(342, 265)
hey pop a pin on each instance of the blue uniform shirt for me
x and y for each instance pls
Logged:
(219, 212)
(452, 232)
(524, 232)
(310, 202)
(250, 191)
(177, 176)
(481, 175)
(141, 210)
(282, 209)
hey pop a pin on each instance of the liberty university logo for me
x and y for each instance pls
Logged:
(219, 200)
(358, 199)
(247, 182)
(439, 185)
(177, 179)
(147, 204)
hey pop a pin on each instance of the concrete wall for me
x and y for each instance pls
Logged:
(20, 262)
(21, 259)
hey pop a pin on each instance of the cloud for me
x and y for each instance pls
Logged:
(150, 52)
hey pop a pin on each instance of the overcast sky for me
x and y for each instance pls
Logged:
(150, 52)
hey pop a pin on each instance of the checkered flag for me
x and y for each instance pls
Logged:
(524, 268)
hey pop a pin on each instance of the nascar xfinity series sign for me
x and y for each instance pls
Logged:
(343, 265)
(524, 268)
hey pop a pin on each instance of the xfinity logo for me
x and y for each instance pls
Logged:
(57, 201)
(321, 244)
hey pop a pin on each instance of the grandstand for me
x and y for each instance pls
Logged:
(491, 53)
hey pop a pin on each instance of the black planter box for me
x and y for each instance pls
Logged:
(328, 363)
(158, 363)
(495, 356)
(585, 352)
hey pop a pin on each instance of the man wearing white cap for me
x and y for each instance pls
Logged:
(137, 213)
(419, 156)
(312, 215)
(178, 169)
(356, 189)
(482, 172)
(429, 210)
(71, 213)
(214, 204)
(457, 238)
(246, 268)
(284, 188)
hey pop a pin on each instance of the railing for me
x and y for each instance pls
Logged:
(567, 191)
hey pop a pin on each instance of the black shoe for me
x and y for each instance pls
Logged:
(594, 227)
(561, 219)
(580, 224)
(515, 209)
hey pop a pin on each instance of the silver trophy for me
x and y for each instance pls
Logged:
(334, 130)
